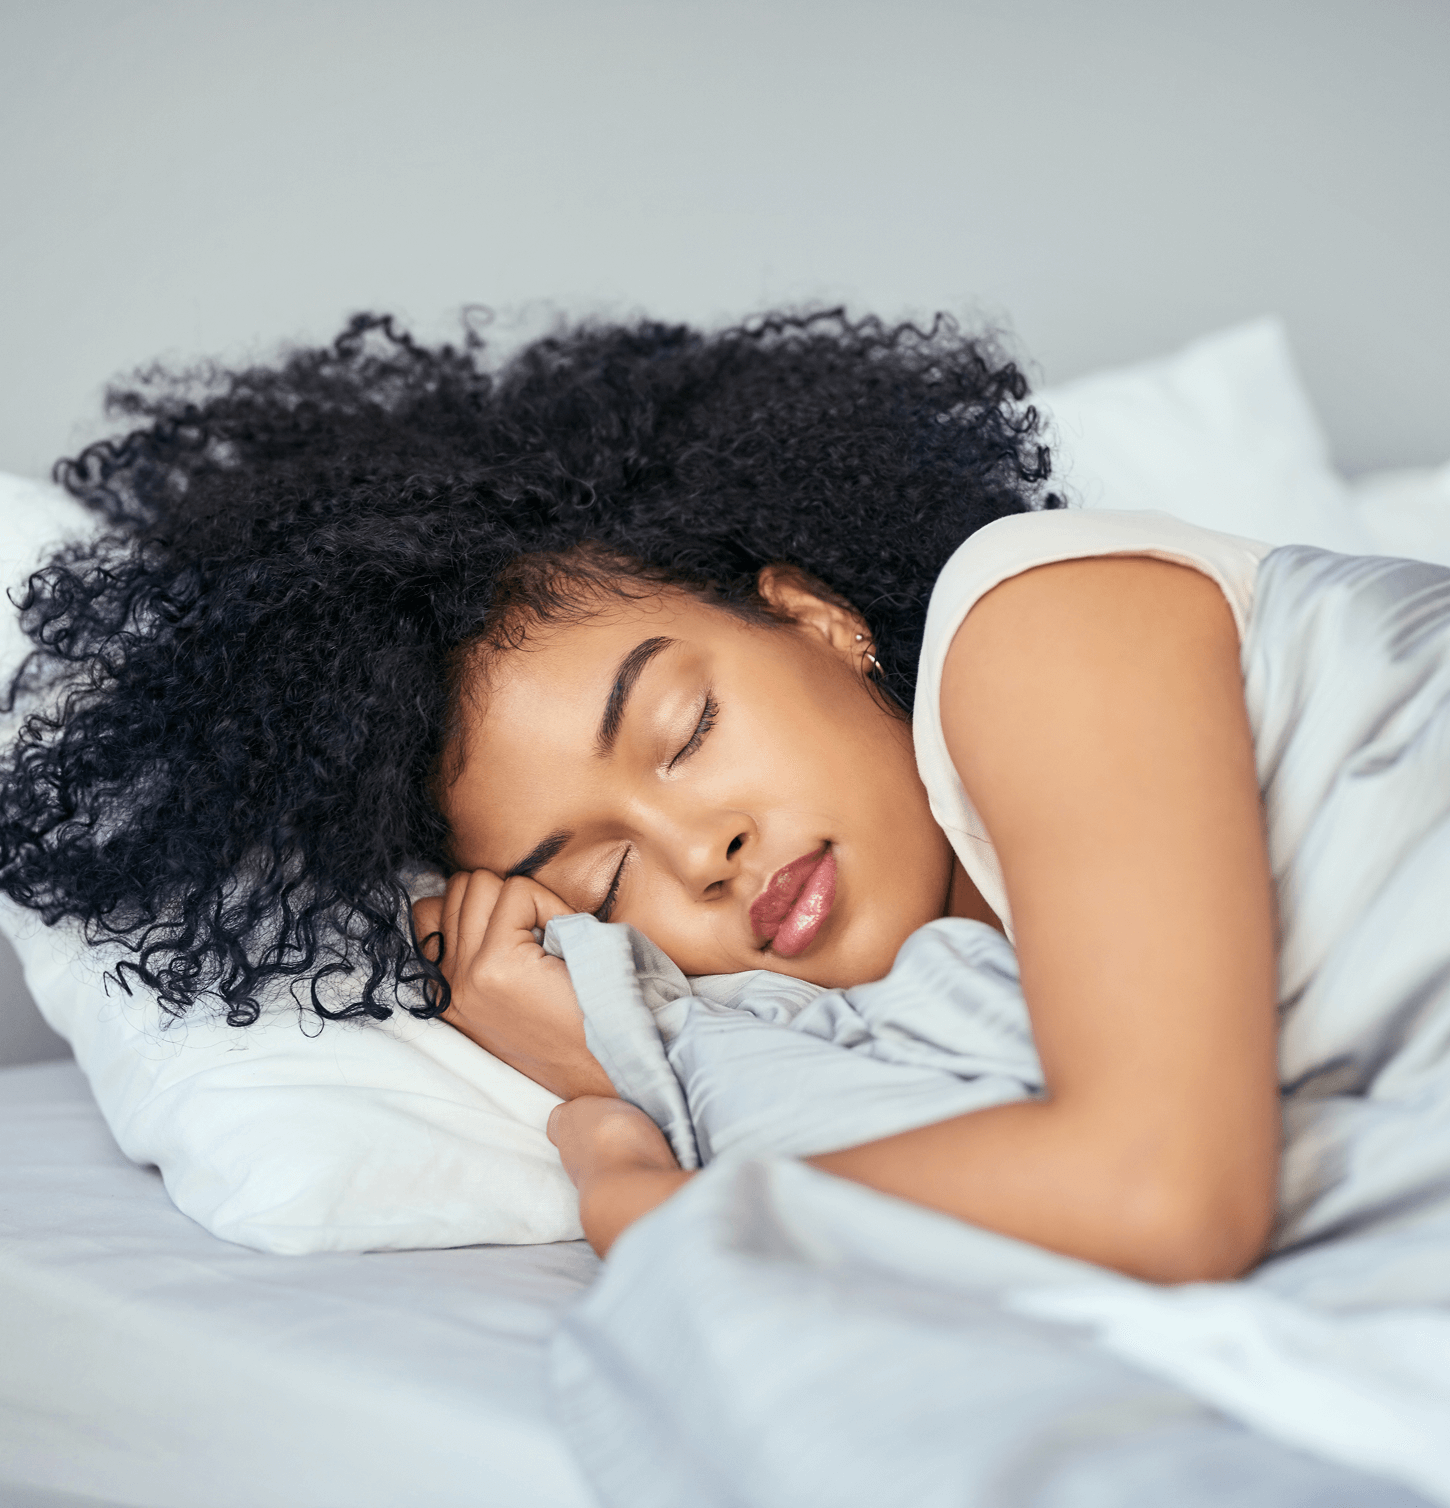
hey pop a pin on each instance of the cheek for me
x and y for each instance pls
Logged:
(696, 939)
(813, 725)
(813, 741)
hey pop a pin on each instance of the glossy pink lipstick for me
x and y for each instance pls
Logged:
(795, 902)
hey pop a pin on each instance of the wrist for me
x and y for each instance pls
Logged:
(615, 1197)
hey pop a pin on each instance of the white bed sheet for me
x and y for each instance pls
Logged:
(144, 1362)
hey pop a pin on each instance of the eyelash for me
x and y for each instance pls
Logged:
(604, 911)
(702, 728)
(707, 721)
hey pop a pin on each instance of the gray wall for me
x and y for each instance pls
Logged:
(1109, 179)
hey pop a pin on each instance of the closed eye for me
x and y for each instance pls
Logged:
(606, 908)
(702, 728)
(708, 714)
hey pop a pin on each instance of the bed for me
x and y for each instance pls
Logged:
(145, 1361)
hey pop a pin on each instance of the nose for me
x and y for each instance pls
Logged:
(708, 849)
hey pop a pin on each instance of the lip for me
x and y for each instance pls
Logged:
(795, 903)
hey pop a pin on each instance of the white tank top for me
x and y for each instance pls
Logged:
(1003, 549)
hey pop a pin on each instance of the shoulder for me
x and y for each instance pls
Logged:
(1093, 704)
(1033, 606)
(1021, 542)
(1067, 617)
(1096, 622)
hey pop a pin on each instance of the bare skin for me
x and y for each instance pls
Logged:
(1095, 713)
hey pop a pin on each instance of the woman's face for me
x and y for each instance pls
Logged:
(732, 789)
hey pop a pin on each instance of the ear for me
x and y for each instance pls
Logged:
(791, 594)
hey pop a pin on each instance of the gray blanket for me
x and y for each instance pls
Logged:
(775, 1336)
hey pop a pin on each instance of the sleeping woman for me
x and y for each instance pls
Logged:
(770, 642)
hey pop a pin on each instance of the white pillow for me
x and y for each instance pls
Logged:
(351, 1137)
(1222, 434)
(1406, 512)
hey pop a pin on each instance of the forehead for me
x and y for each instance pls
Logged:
(579, 658)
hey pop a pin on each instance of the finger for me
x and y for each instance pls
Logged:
(521, 906)
(546, 897)
(453, 903)
(428, 918)
(479, 896)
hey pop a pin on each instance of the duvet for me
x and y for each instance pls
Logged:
(772, 1335)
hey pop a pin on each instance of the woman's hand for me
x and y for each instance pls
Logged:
(508, 995)
(597, 1136)
(620, 1163)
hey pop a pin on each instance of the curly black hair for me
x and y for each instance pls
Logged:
(250, 672)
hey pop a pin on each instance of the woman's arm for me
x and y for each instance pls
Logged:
(1095, 712)
(619, 1161)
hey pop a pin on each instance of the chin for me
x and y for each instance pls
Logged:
(860, 966)
(875, 958)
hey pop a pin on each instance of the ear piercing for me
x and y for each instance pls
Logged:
(875, 663)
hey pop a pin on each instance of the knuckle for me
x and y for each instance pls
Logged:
(481, 976)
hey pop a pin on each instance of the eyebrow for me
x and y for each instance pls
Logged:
(540, 854)
(630, 669)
